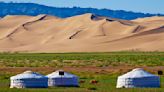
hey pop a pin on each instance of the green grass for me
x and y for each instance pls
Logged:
(107, 81)
(81, 59)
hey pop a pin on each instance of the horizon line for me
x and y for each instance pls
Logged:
(79, 7)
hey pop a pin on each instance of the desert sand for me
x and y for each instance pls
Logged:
(82, 33)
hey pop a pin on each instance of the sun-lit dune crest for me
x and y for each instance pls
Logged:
(15, 23)
(16, 16)
(101, 26)
(149, 19)
(150, 23)
(81, 33)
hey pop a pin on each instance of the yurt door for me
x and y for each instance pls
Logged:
(128, 83)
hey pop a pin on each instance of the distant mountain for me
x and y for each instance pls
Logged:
(36, 9)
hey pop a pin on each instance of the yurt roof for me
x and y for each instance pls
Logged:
(137, 73)
(56, 74)
(28, 75)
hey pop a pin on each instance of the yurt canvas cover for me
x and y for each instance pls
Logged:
(138, 78)
(29, 79)
(61, 78)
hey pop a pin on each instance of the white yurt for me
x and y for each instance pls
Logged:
(138, 78)
(29, 79)
(61, 78)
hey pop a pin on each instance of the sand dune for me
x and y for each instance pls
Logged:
(149, 19)
(82, 33)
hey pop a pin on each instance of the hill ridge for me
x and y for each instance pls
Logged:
(26, 8)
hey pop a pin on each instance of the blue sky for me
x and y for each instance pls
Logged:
(145, 6)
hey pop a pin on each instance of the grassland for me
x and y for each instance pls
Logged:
(104, 67)
(73, 59)
(106, 84)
